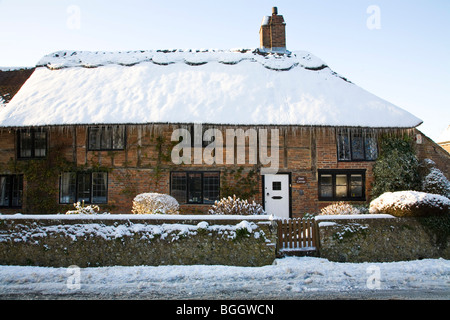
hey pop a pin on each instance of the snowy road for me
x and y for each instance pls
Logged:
(287, 278)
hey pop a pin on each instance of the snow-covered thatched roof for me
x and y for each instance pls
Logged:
(204, 86)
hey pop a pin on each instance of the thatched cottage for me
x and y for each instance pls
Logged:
(272, 125)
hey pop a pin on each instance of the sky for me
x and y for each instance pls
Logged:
(396, 49)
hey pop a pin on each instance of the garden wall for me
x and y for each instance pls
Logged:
(107, 240)
(383, 238)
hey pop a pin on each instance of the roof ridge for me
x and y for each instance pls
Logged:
(193, 57)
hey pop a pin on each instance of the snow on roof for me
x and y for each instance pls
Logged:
(265, 20)
(204, 86)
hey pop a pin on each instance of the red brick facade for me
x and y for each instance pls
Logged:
(144, 165)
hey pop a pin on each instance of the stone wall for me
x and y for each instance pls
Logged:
(383, 238)
(108, 240)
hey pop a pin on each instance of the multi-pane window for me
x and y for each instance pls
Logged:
(11, 190)
(211, 186)
(195, 187)
(198, 138)
(90, 187)
(106, 138)
(32, 143)
(338, 185)
(356, 145)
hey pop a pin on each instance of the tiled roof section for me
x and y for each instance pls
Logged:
(12, 81)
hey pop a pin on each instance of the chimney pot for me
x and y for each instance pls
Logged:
(274, 10)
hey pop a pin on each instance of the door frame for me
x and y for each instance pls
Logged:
(289, 174)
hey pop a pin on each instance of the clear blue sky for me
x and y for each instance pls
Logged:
(406, 60)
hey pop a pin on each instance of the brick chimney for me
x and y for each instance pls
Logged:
(273, 33)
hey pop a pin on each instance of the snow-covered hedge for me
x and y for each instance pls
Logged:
(410, 203)
(155, 203)
(340, 208)
(236, 206)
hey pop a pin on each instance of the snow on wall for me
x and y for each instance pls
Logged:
(385, 238)
(172, 231)
(134, 217)
(215, 87)
(93, 242)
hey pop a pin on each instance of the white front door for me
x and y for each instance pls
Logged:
(276, 195)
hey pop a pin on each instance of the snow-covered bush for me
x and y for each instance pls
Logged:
(434, 180)
(410, 204)
(155, 203)
(236, 206)
(80, 208)
(339, 208)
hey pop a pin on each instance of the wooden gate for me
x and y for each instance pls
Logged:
(297, 236)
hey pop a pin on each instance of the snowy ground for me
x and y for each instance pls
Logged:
(287, 278)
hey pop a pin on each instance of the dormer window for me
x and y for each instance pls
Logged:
(32, 143)
(356, 145)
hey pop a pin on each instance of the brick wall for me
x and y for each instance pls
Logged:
(143, 167)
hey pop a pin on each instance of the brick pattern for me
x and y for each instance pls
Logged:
(273, 35)
(143, 167)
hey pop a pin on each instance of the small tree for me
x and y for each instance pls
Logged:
(397, 167)
(434, 181)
